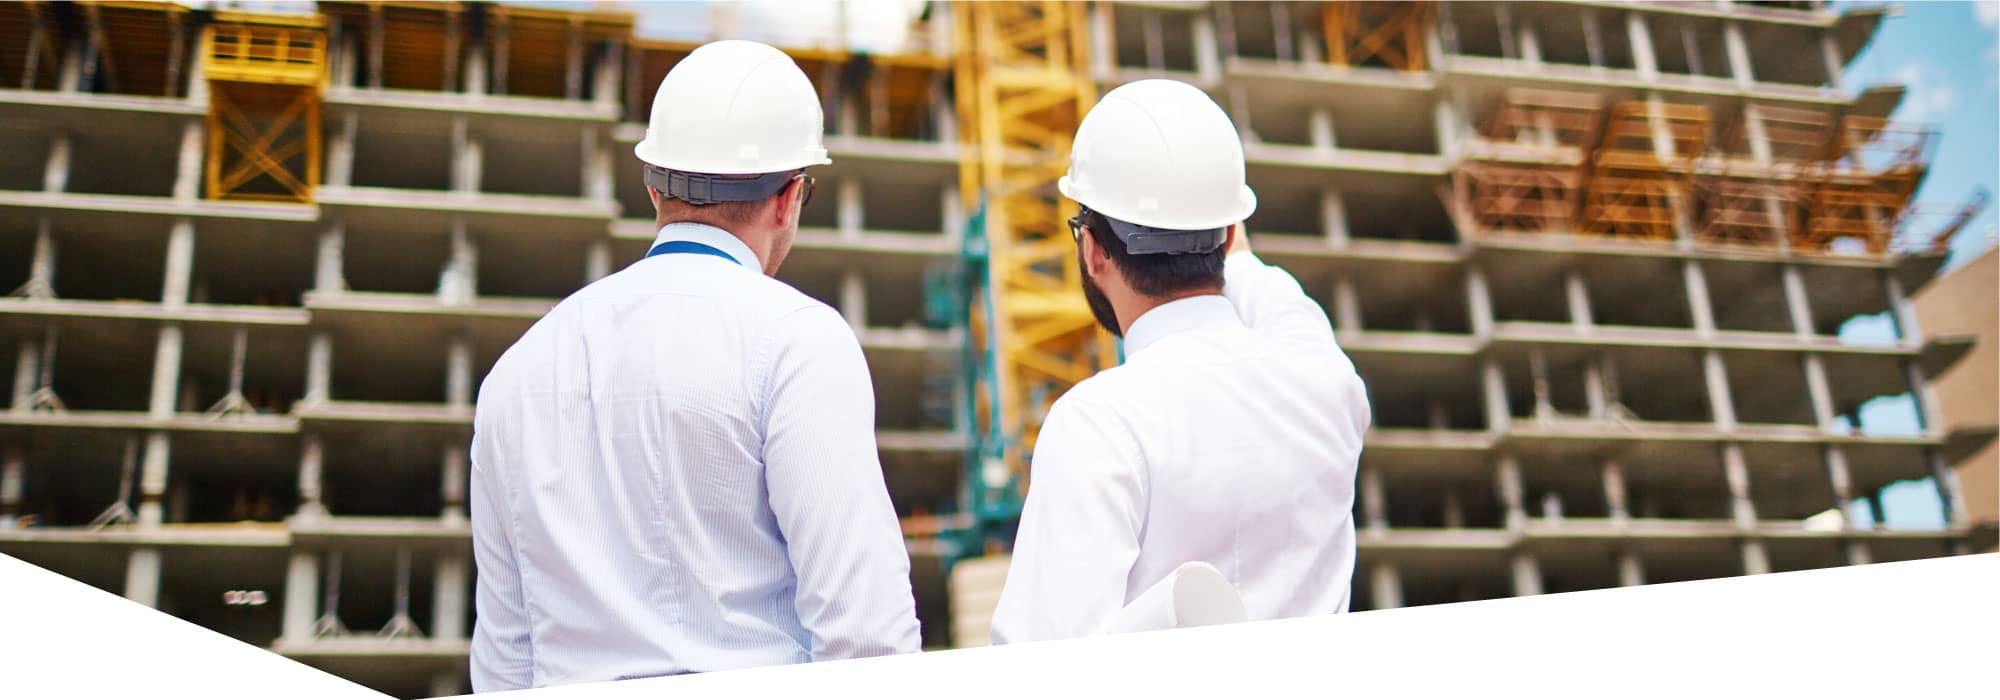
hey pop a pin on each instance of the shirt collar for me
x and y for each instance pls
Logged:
(1175, 317)
(713, 237)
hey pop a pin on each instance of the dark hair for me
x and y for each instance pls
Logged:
(1157, 275)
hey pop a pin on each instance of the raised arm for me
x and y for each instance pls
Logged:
(826, 489)
(1079, 533)
(1267, 297)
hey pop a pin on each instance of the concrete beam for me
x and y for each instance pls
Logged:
(1333, 217)
(1494, 391)
(1829, 54)
(1530, 42)
(1858, 554)
(467, 156)
(573, 63)
(1207, 59)
(1901, 311)
(142, 576)
(1593, 37)
(1479, 302)
(27, 375)
(1538, 371)
(1503, 20)
(606, 77)
(1797, 302)
(458, 284)
(1319, 128)
(1595, 392)
(596, 159)
(1949, 493)
(41, 282)
(1103, 54)
(1819, 391)
(848, 211)
(1281, 31)
(1454, 509)
(1385, 585)
(453, 483)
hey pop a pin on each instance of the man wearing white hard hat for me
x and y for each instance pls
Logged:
(1231, 432)
(674, 471)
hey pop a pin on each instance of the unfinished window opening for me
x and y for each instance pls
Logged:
(196, 583)
(902, 372)
(249, 266)
(1527, 293)
(629, 185)
(819, 283)
(368, 577)
(1566, 37)
(888, 99)
(1786, 54)
(1640, 292)
(399, 475)
(115, 263)
(70, 484)
(556, 155)
(1550, 382)
(1154, 39)
(1677, 491)
(1254, 29)
(420, 47)
(1416, 298)
(1768, 387)
(1462, 579)
(1409, 212)
(125, 156)
(1366, 129)
(374, 361)
(1693, 559)
(99, 367)
(273, 368)
(404, 153)
(897, 205)
(1478, 30)
(17, 254)
(1748, 297)
(28, 145)
(1689, 45)
(1566, 572)
(534, 267)
(546, 53)
(1558, 490)
(1658, 384)
(1405, 392)
(234, 497)
(895, 292)
(1804, 555)
(1421, 502)
(406, 261)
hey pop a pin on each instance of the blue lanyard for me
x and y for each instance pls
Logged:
(673, 247)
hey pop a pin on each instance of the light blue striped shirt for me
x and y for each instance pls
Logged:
(675, 471)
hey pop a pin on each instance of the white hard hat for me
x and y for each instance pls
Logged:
(1162, 155)
(734, 108)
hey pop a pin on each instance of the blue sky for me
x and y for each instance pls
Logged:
(1944, 53)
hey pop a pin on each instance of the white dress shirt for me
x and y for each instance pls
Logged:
(674, 471)
(1230, 435)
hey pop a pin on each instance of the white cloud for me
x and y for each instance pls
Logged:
(1927, 95)
(1988, 13)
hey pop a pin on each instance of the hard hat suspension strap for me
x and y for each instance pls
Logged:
(704, 188)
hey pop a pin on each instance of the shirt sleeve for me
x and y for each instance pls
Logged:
(502, 656)
(827, 491)
(1079, 534)
(1270, 300)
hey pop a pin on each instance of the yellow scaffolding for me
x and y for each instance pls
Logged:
(1022, 89)
(265, 75)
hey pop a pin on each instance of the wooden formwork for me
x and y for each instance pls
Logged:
(31, 46)
(1642, 169)
(404, 45)
(543, 52)
(1747, 209)
(1525, 173)
(135, 48)
(1385, 34)
(1864, 190)
(1529, 197)
(892, 95)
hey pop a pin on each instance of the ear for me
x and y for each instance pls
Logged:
(787, 207)
(655, 196)
(1095, 257)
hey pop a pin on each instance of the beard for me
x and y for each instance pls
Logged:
(1100, 306)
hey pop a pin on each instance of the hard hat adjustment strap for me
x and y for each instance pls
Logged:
(704, 188)
(1141, 239)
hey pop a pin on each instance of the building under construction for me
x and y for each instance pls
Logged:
(1591, 259)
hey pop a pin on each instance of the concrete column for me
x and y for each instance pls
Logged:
(854, 298)
(1737, 474)
(1819, 391)
(953, 207)
(466, 156)
(1631, 571)
(1310, 52)
(1720, 403)
(1281, 30)
(1385, 585)
(329, 266)
(153, 478)
(1858, 554)
(1530, 43)
(597, 159)
(1503, 20)
(476, 75)
(604, 80)
(187, 165)
(1593, 37)
(459, 281)
(301, 596)
(1692, 45)
(1699, 306)
(1739, 54)
(41, 282)
(458, 373)
(597, 261)
(1478, 302)
(1829, 54)
(312, 469)
(1797, 302)
(1333, 218)
(445, 685)
(319, 368)
(1614, 492)
(142, 576)
(1207, 59)
(1103, 54)
(13, 471)
(1842, 482)
(166, 371)
(1877, 515)
(848, 211)
(1901, 311)
(1538, 375)
(55, 172)
(69, 73)
(1454, 510)
(1507, 475)
(180, 264)
(1527, 574)
(1374, 501)
(375, 32)
(1755, 560)
(1346, 307)
(27, 375)
(1755, 134)
(1923, 398)
(1594, 391)
(1319, 127)
(1446, 114)
(1643, 57)
(453, 482)
(340, 142)
(573, 64)
(448, 598)
(1495, 395)
(1579, 300)
(1949, 494)
(1552, 508)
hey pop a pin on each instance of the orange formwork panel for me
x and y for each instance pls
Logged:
(1382, 34)
(1749, 211)
(1641, 169)
(1863, 192)
(1525, 173)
